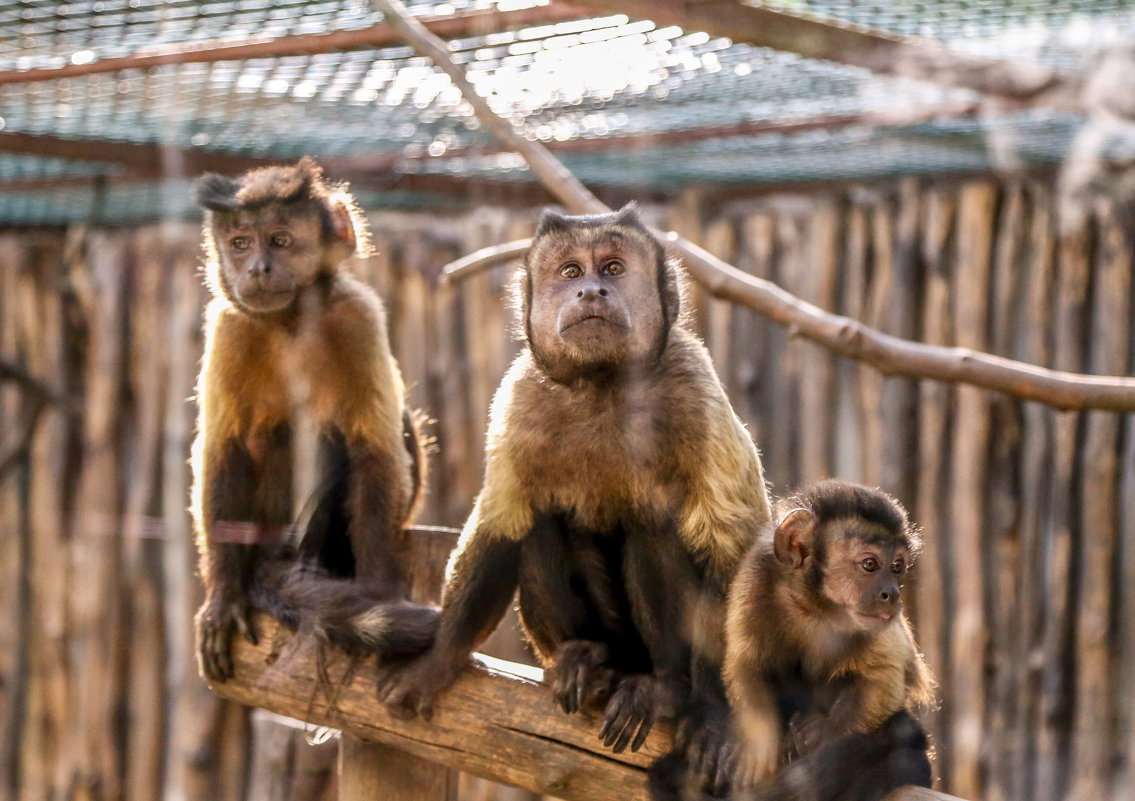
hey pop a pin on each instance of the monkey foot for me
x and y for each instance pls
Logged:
(217, 622)
(409, 687)
(579, 678)
(638, 701)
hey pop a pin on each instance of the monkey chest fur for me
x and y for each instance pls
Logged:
(602, 454)
(311, 375)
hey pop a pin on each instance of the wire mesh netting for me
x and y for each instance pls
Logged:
(752, 114)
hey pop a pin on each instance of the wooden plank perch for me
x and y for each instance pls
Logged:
(890, 355)
(497, 721)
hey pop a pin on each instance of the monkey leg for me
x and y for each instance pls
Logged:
(856, 767)
(659, 582)
(570, 614)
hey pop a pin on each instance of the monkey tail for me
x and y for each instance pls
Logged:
(338, 612)
(418, 444)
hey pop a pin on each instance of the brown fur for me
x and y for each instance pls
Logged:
(294, 342)
(807, 617)
(620, 491)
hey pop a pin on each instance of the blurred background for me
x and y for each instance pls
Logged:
(957, 173)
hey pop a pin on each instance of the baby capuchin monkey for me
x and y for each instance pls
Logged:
(290, 335)
(620, 494)
(821, 667)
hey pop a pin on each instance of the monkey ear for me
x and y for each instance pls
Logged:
(792, 543)
(215, 192)
(628, 215)
(551, 220)
(670, 288)
(342, 226)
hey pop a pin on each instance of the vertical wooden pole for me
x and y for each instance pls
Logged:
(374, 772)
(1032, 345)
(1001, 539)
(1095, 710)
(931, 600)
(1056, 696)
(897, 231)
(977, 208)
(817, 375)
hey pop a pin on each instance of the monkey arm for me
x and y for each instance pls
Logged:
(757, 726)
(752, 696)
(228, 478)
(482, 581)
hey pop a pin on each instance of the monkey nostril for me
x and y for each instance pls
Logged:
(579, 294)
(602, 293)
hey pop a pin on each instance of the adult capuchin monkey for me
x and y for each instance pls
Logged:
(620, 493)
(291, 334)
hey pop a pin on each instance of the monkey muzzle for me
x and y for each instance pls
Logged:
(266, 291)
(591, 316)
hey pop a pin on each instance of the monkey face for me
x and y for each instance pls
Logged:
(863, 573)
(267, 254)
(594, 301)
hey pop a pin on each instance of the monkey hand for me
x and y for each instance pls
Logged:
(217, 620)
(710, 750)
(639, 700)
(752, 765)
(580, 679)
(409, 687)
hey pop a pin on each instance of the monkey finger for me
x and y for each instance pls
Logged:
(245, 627)
(626, 735)
(613, 723)
(643, 730)
(622, 728)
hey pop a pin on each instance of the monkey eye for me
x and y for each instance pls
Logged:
(281, 239)
(240, 243)
(870, 564)
(614, 267)
(898, 566)
(571, 270)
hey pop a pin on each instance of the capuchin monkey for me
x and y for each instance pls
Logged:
(291, 335)
(821, 667)
(620, 493)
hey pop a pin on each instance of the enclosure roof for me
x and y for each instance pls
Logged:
(107, 116)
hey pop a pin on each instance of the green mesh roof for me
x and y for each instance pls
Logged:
(594, 78)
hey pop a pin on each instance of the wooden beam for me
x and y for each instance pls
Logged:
(380, 35)
(497, 721)
(857, 46)
(140, 160)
